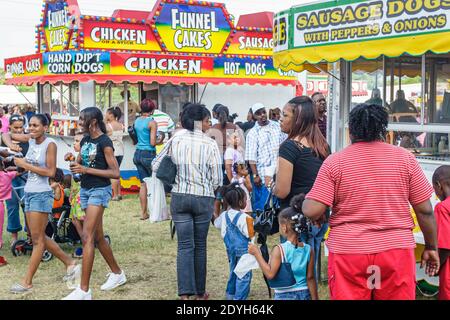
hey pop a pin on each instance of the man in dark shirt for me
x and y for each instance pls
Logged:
(250, 118)
(321, 105)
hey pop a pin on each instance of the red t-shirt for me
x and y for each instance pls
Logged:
(369, 186)
(442, 214)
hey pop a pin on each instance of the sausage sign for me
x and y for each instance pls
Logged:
(327, 23)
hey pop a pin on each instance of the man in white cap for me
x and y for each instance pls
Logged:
(261, 151)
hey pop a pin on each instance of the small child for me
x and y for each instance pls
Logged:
(6, 178)
(234, 153)
(441, 185)
(300, 255)
(58, 190)
(237, 230)
(242, 177)
(76, 213)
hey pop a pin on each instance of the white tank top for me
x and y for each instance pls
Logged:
(37, 156)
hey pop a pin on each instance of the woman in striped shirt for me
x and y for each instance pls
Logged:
(370, 186)
(199, 174)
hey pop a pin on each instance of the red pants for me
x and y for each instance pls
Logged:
(389, 275)
(444, 281)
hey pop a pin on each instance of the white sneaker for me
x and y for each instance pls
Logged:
(114, 280)
(73, 274)
(79, 294)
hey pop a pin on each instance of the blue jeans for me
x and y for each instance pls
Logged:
(314, 240)
(191, 215)
(13, 206)
(143, 161)
(294, 295)
(237, 289)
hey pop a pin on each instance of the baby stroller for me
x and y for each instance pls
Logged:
(59, 228)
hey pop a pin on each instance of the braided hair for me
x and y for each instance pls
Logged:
(368, 122)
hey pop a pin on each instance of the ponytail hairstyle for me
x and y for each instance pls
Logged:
(116, 112)
(91, 114)
(44, 119)
(293, 216)
(234, 196)
(233, 117)
(223, 116)
(305, 125)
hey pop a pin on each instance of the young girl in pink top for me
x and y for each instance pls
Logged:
(6, 178)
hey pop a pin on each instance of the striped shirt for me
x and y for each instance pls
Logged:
(164, 121)
(198, 161)
(262, 147)
(369, 186)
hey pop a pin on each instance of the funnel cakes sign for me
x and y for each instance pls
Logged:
(56, 25)
(200, 28)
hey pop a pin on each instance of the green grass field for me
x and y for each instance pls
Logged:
(147, 254)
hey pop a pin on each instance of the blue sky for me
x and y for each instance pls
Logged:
(18, 18)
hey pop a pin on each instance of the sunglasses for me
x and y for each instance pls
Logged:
(17, 118)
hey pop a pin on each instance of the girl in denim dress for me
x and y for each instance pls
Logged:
(237, 230)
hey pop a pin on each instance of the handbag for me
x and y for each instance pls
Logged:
(132, 132)
(284, 277)
(167, 170)
(266, 221)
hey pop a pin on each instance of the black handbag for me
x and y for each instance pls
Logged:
(132, 134)
(167, 170)
(266, 221)
(285, 276)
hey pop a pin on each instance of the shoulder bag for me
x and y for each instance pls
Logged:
(285, 277)
(167, 170)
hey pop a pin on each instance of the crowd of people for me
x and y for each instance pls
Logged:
(226, 174)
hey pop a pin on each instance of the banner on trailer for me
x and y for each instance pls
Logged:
(118, 36)
(82, 62)
(193, 28)
(356, 21)
(196, 67)
(251, 43)
(26, 66)
(56, 25)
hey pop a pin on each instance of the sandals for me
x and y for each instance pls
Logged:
(145, 218)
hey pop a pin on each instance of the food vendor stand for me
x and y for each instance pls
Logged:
(400, 47)
(181, 51)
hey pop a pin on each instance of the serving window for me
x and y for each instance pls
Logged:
(416, 93)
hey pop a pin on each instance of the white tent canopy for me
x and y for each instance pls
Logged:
(11, 95)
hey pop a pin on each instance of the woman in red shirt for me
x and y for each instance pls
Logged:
(370, 186)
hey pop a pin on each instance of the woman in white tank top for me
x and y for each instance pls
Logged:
(40, 162)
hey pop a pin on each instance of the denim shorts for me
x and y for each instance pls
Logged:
(294, 295)
(95, 197)
(143, 161)
(39, 202)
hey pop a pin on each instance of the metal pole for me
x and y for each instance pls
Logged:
(125, 105)
(422, 104)
(204, 89)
